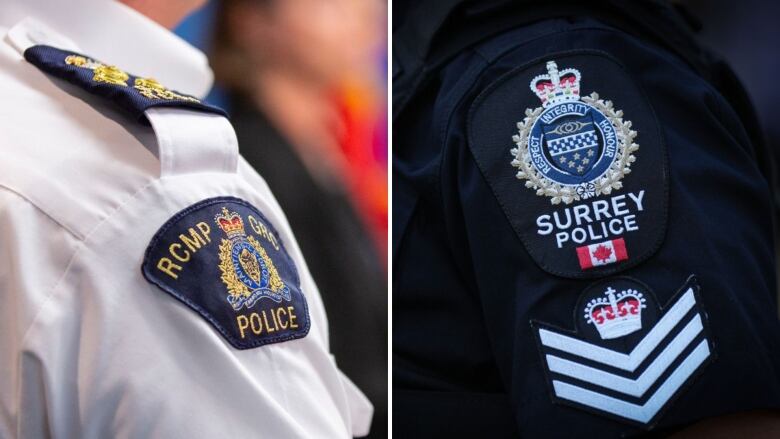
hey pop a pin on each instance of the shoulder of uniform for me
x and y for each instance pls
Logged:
(72, 147)
(132, 93)
(73, 158)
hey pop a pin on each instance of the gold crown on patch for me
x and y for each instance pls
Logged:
(230, 222)
(557, 86)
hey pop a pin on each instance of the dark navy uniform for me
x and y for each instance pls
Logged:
(583, 226)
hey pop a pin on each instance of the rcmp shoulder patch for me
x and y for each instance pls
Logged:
(628, 357)
(132, 93)
(568, 170)
(224, 259)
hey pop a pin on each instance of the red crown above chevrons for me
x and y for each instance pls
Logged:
(616, 315)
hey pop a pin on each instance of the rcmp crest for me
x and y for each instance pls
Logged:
(242, 261)
(247, 271)
(572, 148)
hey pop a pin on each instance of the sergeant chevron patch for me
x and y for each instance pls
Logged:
(628, 358)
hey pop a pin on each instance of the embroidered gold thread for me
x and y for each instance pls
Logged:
(274, 281)
(152, 89)
(102, 73)
(249, 263)
(76, 60)
(235, 287)
(148, 87)
(110, 75)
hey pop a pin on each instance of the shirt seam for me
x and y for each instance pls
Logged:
(50, 293)
(81, 244)
(41, 210)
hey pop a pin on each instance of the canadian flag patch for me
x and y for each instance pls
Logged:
(602, 253)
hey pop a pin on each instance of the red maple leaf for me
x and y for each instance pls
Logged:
(602, 253)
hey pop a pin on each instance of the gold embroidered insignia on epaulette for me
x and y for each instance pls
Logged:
(148, 87)
(103, 73)
(110, 75)
(154, 90)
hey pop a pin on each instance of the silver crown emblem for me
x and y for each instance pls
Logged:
(557, 86)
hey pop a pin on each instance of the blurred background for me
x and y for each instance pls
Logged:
(304, 82)
(747, 36)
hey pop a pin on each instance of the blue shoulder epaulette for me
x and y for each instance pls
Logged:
(132, 93)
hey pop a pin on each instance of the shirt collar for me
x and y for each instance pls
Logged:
(115, 34)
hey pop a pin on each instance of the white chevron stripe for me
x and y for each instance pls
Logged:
(636, 387)
(640, 413)
(617, 359)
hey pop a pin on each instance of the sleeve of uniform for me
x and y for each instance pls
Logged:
(34, 252)
(87, 354)
(620, 234)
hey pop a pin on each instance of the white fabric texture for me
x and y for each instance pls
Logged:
(89, 348)
(189, 142)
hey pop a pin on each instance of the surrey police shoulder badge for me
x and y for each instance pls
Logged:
(591, 204)
(224, 259)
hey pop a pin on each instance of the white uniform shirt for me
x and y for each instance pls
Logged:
(88, 347)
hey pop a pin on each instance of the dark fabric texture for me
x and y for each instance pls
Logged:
(466, 287)
(52, 61)
(193, 254)
(452, 415)
(338, 252)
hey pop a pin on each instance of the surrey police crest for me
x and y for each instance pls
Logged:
(247, 270)
(572, 148)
